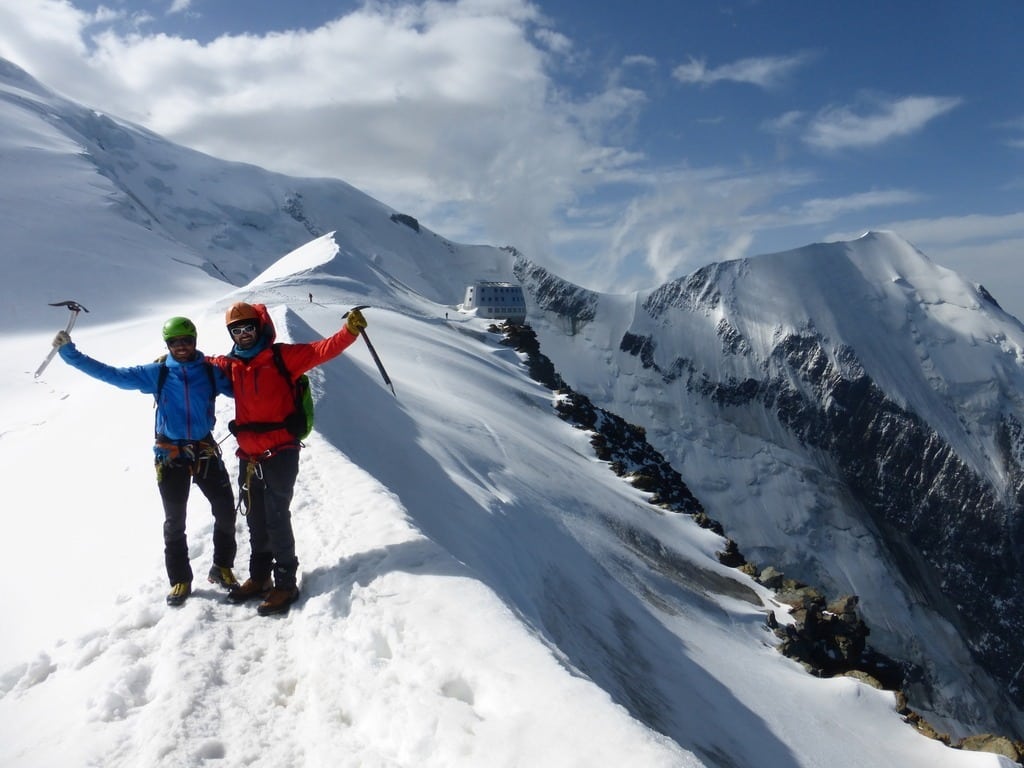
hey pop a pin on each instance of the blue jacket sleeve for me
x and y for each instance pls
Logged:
(139, 377)
(222, 382)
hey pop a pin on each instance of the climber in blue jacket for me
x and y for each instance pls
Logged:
(185, 386)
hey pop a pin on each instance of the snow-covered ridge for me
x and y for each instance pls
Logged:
(468, 596)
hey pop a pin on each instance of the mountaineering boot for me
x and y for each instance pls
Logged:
(219, 574)
(278, 601)
(179, 592)
(249, 590)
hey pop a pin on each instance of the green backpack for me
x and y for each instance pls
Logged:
(300, 422)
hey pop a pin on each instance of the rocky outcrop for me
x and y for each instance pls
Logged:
(624, 446)
(828, 639)
(999, 745)
(576, 306)
(293, 205)
(931, 506)
(407, 220)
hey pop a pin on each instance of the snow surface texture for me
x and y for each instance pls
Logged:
(466, 600)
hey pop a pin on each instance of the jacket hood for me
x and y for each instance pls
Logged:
(267, 329)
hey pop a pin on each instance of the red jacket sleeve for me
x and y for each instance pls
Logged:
(299, 358)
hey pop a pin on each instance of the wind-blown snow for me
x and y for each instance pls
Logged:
(466, 599)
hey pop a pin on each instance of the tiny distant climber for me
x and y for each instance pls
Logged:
(311, 298)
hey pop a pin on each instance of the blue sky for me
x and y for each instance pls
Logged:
(624, 143)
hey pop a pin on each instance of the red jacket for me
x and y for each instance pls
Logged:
(262, 394)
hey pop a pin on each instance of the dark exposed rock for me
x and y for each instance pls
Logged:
(576, 306)
(987, 296)
(623, 445)
(731, 556)
(999, 745)
(733, 342)
(293, 206)
(832, 640)
(698, 291)
(644, 346)
(409, 221)
(523, 339)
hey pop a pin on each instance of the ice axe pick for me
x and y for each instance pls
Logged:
(75, 308)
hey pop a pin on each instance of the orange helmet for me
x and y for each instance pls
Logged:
(241, 311)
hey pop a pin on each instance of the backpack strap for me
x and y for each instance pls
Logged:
(275, 350)
(269, 426)
(161, 379)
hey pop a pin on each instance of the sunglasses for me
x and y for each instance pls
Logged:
(181, 341)
(238, 330)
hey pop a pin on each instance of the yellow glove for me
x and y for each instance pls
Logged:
(63, 338)
(356, 322)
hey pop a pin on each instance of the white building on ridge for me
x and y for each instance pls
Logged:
(501, 301)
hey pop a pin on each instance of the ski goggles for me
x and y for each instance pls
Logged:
(238, 330)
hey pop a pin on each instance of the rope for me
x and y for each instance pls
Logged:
(252, 467)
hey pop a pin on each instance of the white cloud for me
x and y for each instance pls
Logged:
(784, 123)
(828, 209)
(105, 15)
(958, 230)
(454, 113)
(638, 60)
(419, 105)
(765, 72)
(674, 222)
(555, 41)
(841, 127)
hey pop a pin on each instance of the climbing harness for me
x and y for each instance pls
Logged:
(195, 455)
(253, 468)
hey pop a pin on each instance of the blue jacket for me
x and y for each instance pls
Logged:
(185, 410)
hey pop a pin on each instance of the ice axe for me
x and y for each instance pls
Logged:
(373, 352)
(75, 308)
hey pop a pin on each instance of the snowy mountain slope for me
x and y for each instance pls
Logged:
(364, 674)
(61, 219)
(130, 200)
(851, 413)
(466, 597)
(470, 594)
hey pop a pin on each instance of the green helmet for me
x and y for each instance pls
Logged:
(179, 326)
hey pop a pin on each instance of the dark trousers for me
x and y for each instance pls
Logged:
(266, 490)
(175, 481)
